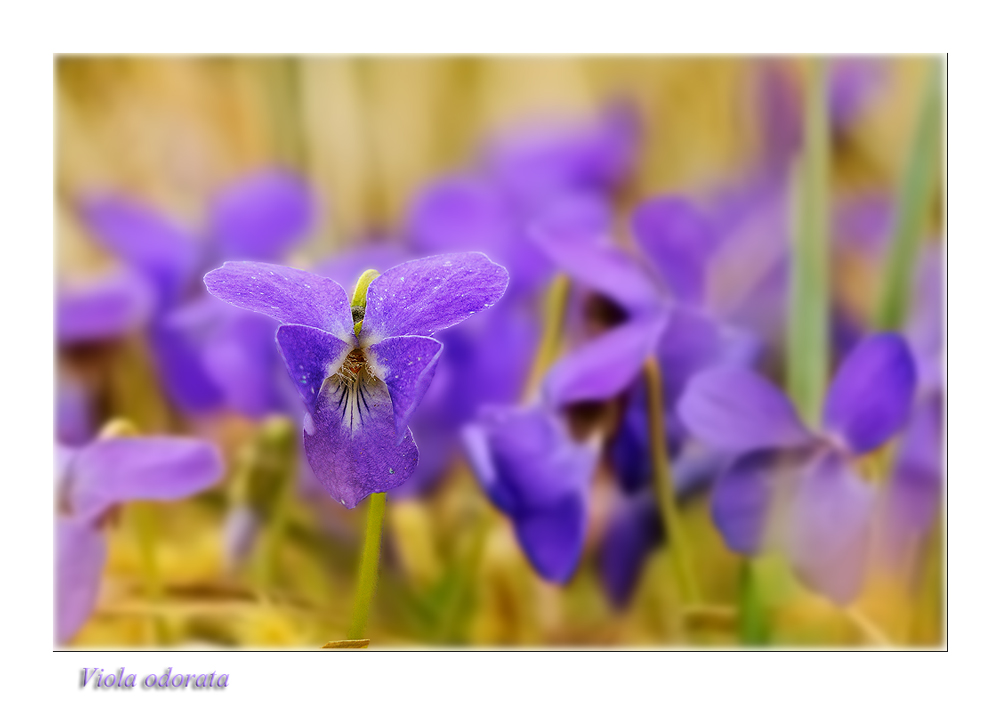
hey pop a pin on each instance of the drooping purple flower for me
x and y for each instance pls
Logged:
(207, 355)
(797, 489)
(90, 482)
(534, 472)
(362, 389)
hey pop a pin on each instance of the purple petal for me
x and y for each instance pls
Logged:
(829, 528)
(678, 239)
(924, 331)
(261, 216)
(242, 361)
(525, 458)
(864, 221)
(289, 295)
(461, 212)
(749, 497)
(80, 555)
(606, 365)
(350, 441)
(694, 342)
(870, 397)
(552, 536)
(915, 487)
(144, 239)
(407, 365)
(634, 532)
(179, 340)
(109, 472)
(569, 235)
(104, 309)
(538, 162)
(74, 418)
(735, 410)
(852, 84)
(425, 295)
(311, 356)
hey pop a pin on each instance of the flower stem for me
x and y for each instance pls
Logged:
(915, 197)
(548, 347)
(807, 350)
(368, 569)
(663, 481)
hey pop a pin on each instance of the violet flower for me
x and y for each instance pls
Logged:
(208, 355)
(534, 472)
(796, 489)
(93, 480)
(662, 304)
(361, 388)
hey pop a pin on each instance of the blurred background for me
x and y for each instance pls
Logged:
(339, 164)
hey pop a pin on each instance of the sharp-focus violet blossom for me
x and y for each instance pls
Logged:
(361, 388)
(534, 472)
(208, 355)
(796, 489)
(90, 482)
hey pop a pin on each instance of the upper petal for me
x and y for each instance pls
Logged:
(525, 457)
(145, 239)
(114, 471)
(262, 215)
(425, 295)
(678, 239)
(289, 295)
(311, 356)
(407, 365)
(870, 396)
(736, 410)
(829, 528)
(606, 365)
(573, 234)
(350, 442)
(104, 309)
(81, 551)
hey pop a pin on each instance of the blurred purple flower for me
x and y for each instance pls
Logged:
(676, 241)
(795, 489)
(536, 164)
(533, 471)
(636, 527)
(90, 482)
(361, 390)
(208, 355)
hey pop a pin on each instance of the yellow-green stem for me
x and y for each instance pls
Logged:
(548, 347)
(664, 484)
(143, 520)
(368, 569)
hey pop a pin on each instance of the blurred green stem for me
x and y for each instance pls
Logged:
(664, 484)
(914, 200)
(554, 311)
(272, 474)
(807, 351)
(368, 569)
